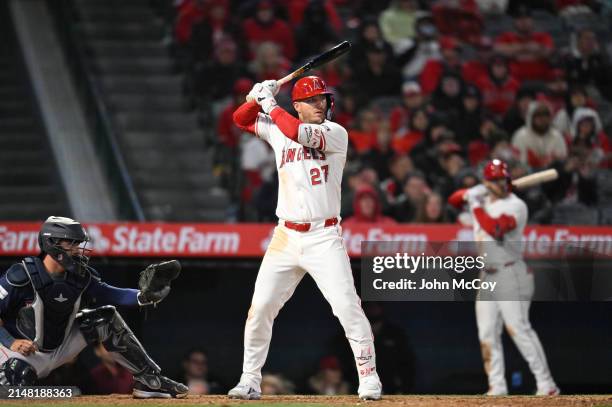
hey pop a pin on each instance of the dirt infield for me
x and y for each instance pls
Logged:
(311, 401)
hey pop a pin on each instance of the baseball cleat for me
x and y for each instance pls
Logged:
(159, 387)
(244, 391)
(370, 388)
(554, 391)
(497, 392)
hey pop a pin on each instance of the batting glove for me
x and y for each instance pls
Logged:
(272, 85)
(265, 99)
(251, 95)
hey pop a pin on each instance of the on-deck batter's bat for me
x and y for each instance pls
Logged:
(317, 61)
(535, 179)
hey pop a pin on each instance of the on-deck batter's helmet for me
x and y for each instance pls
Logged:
(497, 169)
(310, 86)
(54, 231)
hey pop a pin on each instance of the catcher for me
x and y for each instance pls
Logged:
(46, 320)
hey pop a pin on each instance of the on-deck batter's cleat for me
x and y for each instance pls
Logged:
(554, 391)
(370, 388)
(244, 391)
(497, 392)
(148, 386)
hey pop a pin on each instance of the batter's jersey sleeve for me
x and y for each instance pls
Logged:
(328, 137)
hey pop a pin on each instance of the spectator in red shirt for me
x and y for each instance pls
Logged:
(477, 67)
(229, 135)
(498, 87)
(406, 138)
(364, 138)
(266, 27)
(412, 98)
(434, 68)
(528, 50)
(367, 208)
(190, 13)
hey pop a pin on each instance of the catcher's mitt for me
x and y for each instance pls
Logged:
(154, 283)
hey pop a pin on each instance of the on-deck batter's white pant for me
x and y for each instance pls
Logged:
(45, 362)
(493, 310)
(290, 255)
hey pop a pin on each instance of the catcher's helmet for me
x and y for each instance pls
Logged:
(310, 86)
(57, 229)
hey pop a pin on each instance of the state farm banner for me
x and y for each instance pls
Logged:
(251, 240)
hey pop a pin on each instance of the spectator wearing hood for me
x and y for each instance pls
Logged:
(367, 208)
(264, 27)
(297, 11)
(498, 88)
(575, 98)
(587, 134)
(587, 65)
(424, 153)
(539, 144)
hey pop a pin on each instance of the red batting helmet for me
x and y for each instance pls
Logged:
(310, 86)
(496, 169)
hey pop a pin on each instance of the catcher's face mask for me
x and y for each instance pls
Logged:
(73, 255)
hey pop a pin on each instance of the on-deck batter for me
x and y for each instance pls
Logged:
(310, 156)
(499, 220)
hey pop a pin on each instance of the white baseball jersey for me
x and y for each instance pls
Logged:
(509, 249)
(309, 180)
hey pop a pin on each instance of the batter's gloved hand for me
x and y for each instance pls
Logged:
(251, 95)
(265, 99)
(272, 85)
(154, 282)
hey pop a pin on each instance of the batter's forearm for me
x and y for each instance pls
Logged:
(287, 124)
(496, 227)
(245, 116)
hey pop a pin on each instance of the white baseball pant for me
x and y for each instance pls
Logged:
(290, 255)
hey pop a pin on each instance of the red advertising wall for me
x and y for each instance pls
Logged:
(251, 240)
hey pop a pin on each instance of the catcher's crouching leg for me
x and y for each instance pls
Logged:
(104, 325)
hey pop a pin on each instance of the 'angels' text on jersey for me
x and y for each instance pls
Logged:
(309, 180)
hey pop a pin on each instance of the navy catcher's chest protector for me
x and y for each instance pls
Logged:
(49, 319)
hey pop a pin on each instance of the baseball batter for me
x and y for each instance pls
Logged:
(499, 219)
(310, 156)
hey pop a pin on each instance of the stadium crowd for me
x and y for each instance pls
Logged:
(428, 93)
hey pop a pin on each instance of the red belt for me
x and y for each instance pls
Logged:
(492, 270)
(305, 227)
